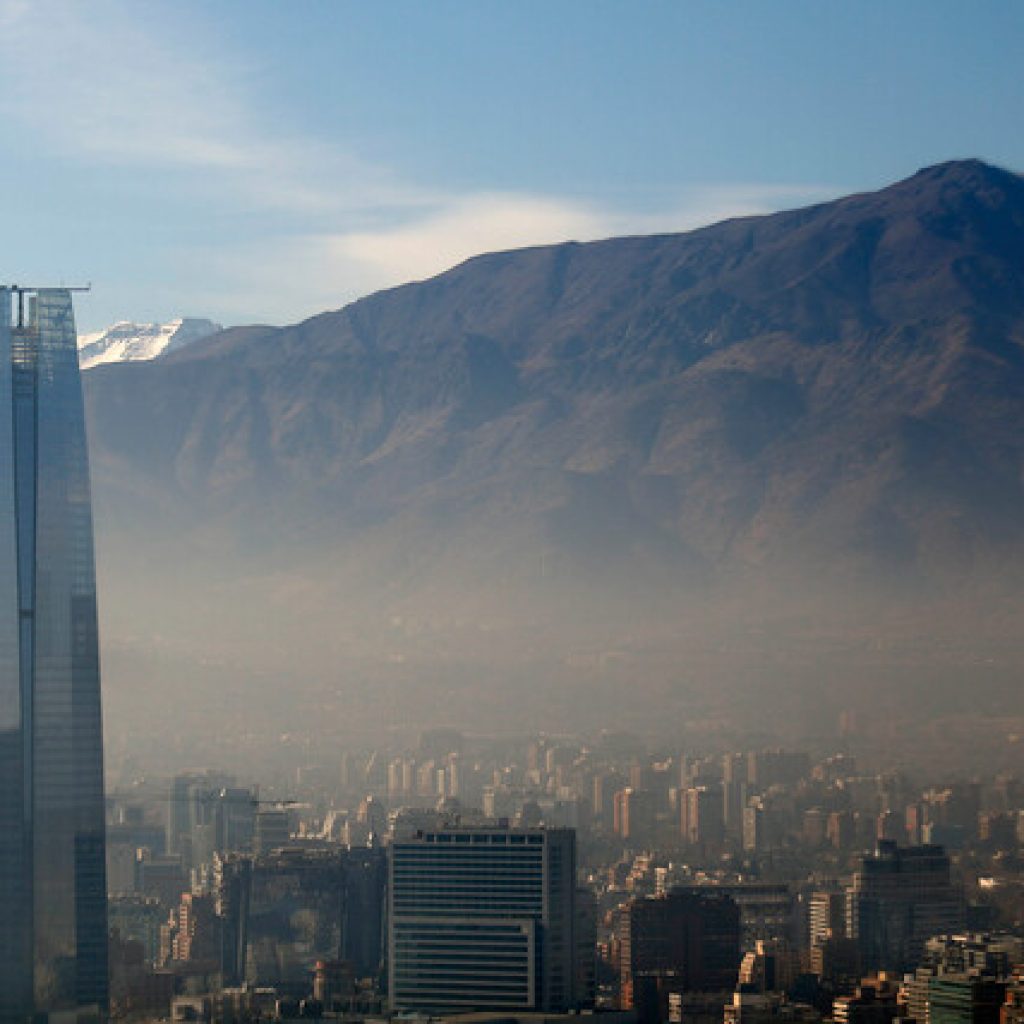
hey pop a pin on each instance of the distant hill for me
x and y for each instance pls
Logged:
(793, 440)
(126, 341)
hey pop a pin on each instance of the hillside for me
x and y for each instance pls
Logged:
(772, 438)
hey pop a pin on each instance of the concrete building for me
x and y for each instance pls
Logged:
(702, 816)
(483, 919)
(634, 813)
(826, 915)
(876, 1001)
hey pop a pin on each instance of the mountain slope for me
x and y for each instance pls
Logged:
(789, 413)
(126, 341)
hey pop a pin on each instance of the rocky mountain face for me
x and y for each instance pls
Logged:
(126, 341)
(775, 435)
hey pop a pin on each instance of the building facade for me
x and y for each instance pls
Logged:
(53, 931)
(483, 919)
(283, 912)
(687, 941)
(965, 999)
(900, 897)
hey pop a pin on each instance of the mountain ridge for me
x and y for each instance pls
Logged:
(811, 408)
(489, 362)
(126, 341)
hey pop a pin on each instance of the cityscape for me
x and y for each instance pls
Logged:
(564, 876)
(512, 513)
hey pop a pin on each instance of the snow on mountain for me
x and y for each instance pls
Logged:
(126, 341)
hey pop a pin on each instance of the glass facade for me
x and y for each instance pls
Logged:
(53, 930)
(900, 897)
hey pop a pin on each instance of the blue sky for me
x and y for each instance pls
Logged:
(262, 161)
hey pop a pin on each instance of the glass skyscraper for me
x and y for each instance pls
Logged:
(53, 929)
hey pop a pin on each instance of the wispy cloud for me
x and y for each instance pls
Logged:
(330, 268)
(119, 90)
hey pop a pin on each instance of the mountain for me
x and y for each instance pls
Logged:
(769, 469)
(126, 341)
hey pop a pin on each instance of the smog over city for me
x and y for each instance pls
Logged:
(512, 509)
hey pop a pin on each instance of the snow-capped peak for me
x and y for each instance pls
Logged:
(126, 341)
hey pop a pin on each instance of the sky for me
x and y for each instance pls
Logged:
(257, 161)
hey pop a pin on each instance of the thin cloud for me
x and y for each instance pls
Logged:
(115, 92)
(120, 89)
(326, 270)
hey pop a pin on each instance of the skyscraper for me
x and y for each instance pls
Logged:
(53, 928)
(899, 898)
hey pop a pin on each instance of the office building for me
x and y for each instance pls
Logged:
(585, 981)
(758, 1008)
(483, 919)
(769, 967)
(208, 814)
(965, 999)
(283, 912)
(766, 909)
(975, 952)
(272, 830)
(53, 930)
(901, 897)
(138, 919)
(876, 1001)
(966, 974)
(688, 941)
(163, 877)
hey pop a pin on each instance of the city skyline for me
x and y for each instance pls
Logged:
(849, 875)
(556, 499)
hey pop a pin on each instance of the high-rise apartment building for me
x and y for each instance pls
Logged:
(826, 913)
(634, 814)
(834, 957)
(53, 928)
(701, 821)
(483, 919)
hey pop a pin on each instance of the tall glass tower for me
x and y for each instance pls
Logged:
(53, 927)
